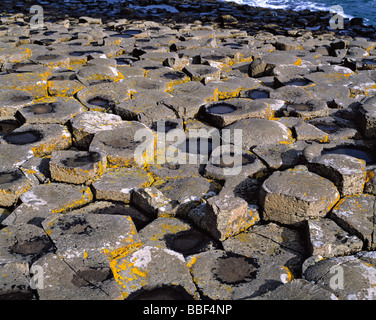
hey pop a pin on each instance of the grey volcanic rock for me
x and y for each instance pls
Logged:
(185, 150)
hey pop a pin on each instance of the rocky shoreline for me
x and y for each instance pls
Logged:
(82, 218)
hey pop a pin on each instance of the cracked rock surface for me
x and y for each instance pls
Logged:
(218, 151)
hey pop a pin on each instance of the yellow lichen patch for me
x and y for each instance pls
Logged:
(119, 264)
(191, 262)
(63, 88)
(298, 62)
(370, 175)
(288, 276)
(86, 197)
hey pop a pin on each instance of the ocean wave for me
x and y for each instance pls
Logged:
(289, 4)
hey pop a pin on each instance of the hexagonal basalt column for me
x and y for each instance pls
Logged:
(123, 145)
(58, 110)
(153, 272)
(85, 125)
(42, 139)
(103, 96)
(118, 184)
(296, 195)
(12, 100)
(346, 172)
(76, 167)
(226, 112)
(12, 185)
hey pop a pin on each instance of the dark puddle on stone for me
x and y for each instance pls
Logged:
(23, 138)
(42, 108)
(132, 32)
(298, 82)
(174, 75)
(165, 292)
(370, 62)
(235, 269)
(35, 245)
(7, 126)
(84, 53)
(123, 62)
(20, 98)
(187, 242)
(82, 160)
(121, 35)
(354, 152)
(221, 108)
(229, 160)
(9, 177)
(101, 102)
(201, 146)
(258, 94)
(47, 57)
(49, 33)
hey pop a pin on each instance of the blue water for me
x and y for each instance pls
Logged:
(365, 9)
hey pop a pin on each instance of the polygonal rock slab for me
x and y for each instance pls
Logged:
(23, 242)
(103, 96)
(224, 113)
(356, 215)
(347, 173)
(15, 281)
(281, 156)
(86, 124)
(226, 216)
(33, 83)
(259, 132)
(41, 139)
(12, 100)
(12, 185)
(75, 280)
(94, 74)
(139, 218)
(263, 67)
(202, 73)
(58, 197)
(177, 235)
(327, 239)
(90, 236)
(185, 106)
(155, 273)
(366, 118)
(298, 289)
(310, 109)
(58, 110)
(281, 247)
(349, 277)
(118, 184)
(187, 189)
(227, 164)
(201, 91)
(123, 146)
(221, 275)
(152, 201)
(295, 195)
(77, 167)
(306, 131)
(292, 95)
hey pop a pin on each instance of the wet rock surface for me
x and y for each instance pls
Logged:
(186, 150)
